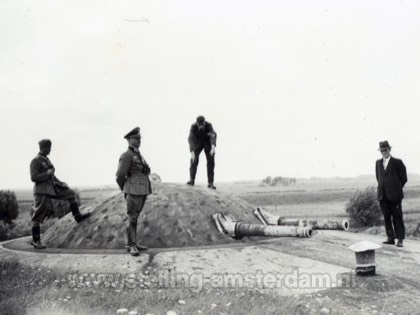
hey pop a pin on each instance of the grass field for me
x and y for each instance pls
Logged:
(309, 198)
(323, 203)
(324, 199)
(35, 291)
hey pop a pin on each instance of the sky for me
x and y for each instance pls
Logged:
(296, 89)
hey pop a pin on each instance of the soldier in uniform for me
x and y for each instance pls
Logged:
(202, 136)
(48, 186)
(133, 180)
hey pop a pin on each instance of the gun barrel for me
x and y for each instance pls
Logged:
(316, 224)
(227, 224)
(242, 229)
(270, 219)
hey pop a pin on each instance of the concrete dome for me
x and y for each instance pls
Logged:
(175, 215)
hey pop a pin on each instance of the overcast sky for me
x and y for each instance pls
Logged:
(293, 88)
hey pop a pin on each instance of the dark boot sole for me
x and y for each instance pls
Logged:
(138, 248)
(38, 247)
(388, 243)
(83, 217)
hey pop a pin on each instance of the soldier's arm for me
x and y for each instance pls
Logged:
(212, 135)
(36, 175)
(192, 139)
(402, 173)
(123, 168)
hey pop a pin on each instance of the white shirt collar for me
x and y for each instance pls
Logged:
(386, 161)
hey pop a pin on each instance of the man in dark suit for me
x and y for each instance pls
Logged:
(47, 186)
(202, 136)
(391, 175)
(133, 179)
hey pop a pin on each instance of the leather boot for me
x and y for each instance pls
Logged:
(79, 217)
(134, 251)
(389, 242)
(36, 238)
(139, 247)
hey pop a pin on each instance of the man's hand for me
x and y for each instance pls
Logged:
(213, 150)
(192, 156)
(146, 169)
(51, 172)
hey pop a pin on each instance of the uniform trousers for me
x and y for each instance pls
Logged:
(41, 202)
(135, 204)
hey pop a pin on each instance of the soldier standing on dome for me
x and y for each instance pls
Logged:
(202, 136)
(133, 180)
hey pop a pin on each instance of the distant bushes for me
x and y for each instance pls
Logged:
(11, 231)
(363, 208)
(412, 229)
(21, 229)
(278, 180)
(9, 208)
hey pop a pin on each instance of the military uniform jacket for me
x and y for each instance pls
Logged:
(392, 180)
(130, 175)
(44, 183)
(206, 137)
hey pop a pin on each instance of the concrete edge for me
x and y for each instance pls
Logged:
(23, 245)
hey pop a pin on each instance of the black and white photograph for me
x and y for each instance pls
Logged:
(209, 157)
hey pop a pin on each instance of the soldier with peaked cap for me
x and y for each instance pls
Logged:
(202, 136)
(133, 180)
(391, 175)
(47, 187)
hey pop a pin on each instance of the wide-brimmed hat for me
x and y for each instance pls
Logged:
(384, 145)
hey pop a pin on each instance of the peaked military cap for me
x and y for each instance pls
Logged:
(135, 133)
(44, 143)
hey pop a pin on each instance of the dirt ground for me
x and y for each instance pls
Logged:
(393, 290)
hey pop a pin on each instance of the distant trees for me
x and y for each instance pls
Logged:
(278, 180)
(9, 211)
(9, 208)
(363, 208)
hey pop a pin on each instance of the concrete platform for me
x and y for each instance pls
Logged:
(325, 254)
(263, 261)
